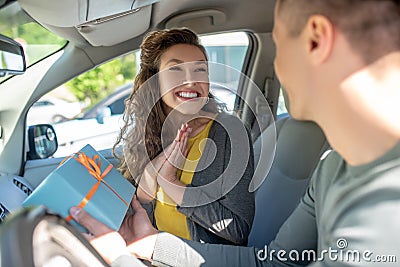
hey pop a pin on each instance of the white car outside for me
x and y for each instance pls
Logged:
(52, 110)
(75, 134)
(98, 126)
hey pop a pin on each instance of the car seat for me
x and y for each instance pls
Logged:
(299, 146)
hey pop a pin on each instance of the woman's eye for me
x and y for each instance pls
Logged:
(175, 68)
(200, 70)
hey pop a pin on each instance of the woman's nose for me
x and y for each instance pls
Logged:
(189, 78)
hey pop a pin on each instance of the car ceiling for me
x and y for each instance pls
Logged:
(69, 18)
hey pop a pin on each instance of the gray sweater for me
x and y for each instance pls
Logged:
(350, 216)
(217, 204)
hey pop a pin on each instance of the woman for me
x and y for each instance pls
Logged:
(183, 191)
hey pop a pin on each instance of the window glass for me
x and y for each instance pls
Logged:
(37, 41)
(118, 107)
(87, 109)
(95, 99)
(229, 49)
(281, 110)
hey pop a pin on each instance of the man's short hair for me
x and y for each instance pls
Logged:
(371, 26)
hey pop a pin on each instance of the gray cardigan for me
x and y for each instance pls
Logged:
(217, 204)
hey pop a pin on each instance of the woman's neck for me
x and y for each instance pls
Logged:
(196, 122)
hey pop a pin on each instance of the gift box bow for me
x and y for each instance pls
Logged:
(93, 165)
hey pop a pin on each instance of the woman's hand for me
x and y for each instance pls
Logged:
(175, 158)
(163, 168)
(136, 231)
(175, 155)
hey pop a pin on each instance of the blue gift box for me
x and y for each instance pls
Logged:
(71, 182)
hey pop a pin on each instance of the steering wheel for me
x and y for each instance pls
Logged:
(36, 237)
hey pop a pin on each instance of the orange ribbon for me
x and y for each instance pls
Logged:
(93, 165)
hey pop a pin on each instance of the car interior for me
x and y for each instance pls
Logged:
(98, 31)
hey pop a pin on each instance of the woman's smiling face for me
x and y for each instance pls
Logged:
(183, 77)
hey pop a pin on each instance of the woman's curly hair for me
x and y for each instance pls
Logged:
(144, 114)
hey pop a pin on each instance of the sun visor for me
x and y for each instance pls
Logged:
(116, 28)
(100, 22)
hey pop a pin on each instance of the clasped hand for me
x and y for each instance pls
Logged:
(166, 164)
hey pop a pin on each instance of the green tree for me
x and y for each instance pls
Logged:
(89, 87)
(34, 34)
(37, 41)
(96, 84)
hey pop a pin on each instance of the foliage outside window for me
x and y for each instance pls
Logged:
(94, 85)
(37, 42)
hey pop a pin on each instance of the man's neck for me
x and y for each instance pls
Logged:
(363, 121)
(361, 146)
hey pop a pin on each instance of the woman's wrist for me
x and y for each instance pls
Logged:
(175, 189)
(167, 178)
(143, 196)
(147, 188)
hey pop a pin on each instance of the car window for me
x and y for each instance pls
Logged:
(281, 110)
(87, 109)
(118, 106)
(41, 103)
(37, 41)
(229, 49)
(100, 94)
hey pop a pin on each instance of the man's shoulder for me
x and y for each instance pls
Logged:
(330, 160)
(332, 169)
(328, 169)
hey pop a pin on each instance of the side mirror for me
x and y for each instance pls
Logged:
(12, 57)
(42, 141)
(103, 114)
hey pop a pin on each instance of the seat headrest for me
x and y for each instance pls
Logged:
(299, 147)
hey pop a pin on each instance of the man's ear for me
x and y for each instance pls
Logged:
(320, 35)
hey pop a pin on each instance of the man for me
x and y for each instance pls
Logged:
(339, 61)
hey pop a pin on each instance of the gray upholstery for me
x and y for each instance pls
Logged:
(298, 149)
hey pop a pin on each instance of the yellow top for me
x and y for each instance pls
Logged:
(167, 217)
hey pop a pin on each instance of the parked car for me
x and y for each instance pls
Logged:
(52, 110)
(98, 126)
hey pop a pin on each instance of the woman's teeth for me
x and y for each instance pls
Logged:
(187, 95)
